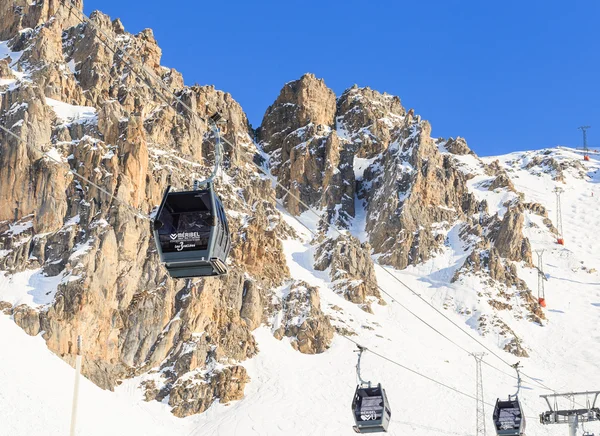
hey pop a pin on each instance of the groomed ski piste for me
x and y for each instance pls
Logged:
(296, 394)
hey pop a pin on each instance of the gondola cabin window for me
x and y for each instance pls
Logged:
(510, 418)
(186, 224)
(371, 408)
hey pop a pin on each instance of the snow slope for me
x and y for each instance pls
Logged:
(37, 388)
(295, 394)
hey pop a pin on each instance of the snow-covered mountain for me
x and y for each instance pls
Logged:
(420, 251)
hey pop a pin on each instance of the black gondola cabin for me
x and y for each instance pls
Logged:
(371, 410)
(508, 418)
(191, 233)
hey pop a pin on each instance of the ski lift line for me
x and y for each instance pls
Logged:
(314, 212)
(381, 356)
(393, 299)
(84, 19)
(161, 83)
(401, 305)
(76, 174)
(394, 362)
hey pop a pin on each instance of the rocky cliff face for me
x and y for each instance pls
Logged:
(370, 165)
(363, 161)
(67, 93)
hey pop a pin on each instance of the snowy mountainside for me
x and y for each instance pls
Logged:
(563, 353)
(268, 349)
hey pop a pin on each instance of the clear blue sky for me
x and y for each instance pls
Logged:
(506, 75)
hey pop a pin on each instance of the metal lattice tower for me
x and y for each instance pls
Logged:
(559, 225)
(480, 401)
(541, 277)
(585, 146)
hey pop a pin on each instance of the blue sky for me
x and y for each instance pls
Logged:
(507, 76)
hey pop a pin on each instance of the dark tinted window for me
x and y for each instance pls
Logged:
(187, 222)
(368, 404)
(508, 415)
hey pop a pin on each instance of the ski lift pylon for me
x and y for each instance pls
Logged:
(190, 229)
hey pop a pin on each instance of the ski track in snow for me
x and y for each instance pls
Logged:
(295, 394)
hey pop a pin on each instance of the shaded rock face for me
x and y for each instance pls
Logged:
(303, 320)
(195, 395)
(509, 240)
(408, 189)
(312, 141)
(307, 155)
(487, 259)
(119, 134)
(368, 120)
(350, 269)
(458, 146)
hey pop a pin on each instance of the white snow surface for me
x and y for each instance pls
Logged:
(295, 394)
(68, 113)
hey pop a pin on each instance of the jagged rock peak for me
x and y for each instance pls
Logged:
(457, 146)
(18, 15)
(301, 102)
(368, 119)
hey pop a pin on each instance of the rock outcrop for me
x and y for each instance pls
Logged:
(303, 320)
(88, 108)
(307, 155)
(411, 187)
(350, 269)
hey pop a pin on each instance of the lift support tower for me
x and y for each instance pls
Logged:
(559, 226)
(586, 154)
(572, 416)
(480, 409)
(541, 278)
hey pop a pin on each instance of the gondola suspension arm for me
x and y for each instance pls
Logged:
(516, 366)
(360, 351)
(214, 125)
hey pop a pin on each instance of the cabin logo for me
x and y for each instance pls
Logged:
(184, 236)
(368, 415)
(181, 245)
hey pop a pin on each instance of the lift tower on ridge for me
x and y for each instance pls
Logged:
(541, 278)
(586, 155)
(560, 239)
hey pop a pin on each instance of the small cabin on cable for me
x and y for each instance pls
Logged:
(508, 417)
(192, 234)
(371, 410)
